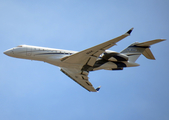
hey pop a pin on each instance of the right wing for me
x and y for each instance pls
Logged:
(89, 56)
(81, 77)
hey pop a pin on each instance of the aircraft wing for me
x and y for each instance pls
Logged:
(86, 58)
(89, 56)
(81, 77)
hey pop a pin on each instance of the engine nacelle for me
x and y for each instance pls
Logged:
(114, 56)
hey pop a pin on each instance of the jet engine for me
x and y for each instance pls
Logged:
(114, 56)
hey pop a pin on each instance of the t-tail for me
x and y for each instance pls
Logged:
(136, 49)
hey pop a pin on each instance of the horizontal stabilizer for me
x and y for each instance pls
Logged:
(148, 43)
(148, 54)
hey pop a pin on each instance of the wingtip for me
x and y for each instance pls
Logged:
(129, 32)
(163, 39)
(98, 88)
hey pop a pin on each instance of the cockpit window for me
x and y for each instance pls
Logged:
(19, 46)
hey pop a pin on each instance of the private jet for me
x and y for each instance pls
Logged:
(77, 65)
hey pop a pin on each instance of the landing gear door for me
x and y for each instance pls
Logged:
(28, 51)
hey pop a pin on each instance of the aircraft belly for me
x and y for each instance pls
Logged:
(59, 63)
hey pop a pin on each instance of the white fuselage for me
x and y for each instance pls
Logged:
(49, 55)
(53, 56)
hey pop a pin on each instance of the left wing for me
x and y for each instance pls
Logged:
(88, 57)
(81, 77)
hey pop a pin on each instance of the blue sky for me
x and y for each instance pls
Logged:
(32, 90)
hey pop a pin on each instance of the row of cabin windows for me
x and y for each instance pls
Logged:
(53, 51)
(48, 50)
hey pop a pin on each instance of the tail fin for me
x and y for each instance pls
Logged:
(136, 49)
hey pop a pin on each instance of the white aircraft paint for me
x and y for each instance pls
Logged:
(77, 65)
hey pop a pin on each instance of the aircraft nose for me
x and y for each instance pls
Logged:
(9, 52)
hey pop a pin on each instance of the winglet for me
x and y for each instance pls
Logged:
(98, 88)
(129, 32)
